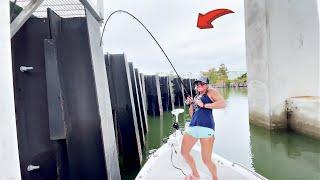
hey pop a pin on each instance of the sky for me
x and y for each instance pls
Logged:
(174, 25)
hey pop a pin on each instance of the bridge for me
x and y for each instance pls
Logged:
(283, 66)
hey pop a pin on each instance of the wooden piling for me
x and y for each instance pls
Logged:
(124, 112)
(165, 92)
(142, 101)
(137, 104)
(153, 94)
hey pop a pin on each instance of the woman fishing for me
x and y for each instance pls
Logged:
(202, 126)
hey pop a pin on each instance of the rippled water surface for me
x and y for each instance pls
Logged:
(276, 155)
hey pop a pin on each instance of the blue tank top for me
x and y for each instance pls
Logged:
(202, 116)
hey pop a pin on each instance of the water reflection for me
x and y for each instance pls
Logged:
(232, 127)
(285, 155)
(159, 128)
(276, 155)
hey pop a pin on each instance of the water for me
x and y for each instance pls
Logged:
(278, 155)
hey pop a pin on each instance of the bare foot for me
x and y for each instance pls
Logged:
(192, 177)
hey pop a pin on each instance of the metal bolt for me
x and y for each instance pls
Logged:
(25, 68)
(32, 167)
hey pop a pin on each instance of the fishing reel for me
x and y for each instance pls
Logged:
(188, 102)
(192, 100)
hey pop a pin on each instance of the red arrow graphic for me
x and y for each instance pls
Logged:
(205, 20)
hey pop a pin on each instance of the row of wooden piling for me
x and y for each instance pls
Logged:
(133, 97)
(80, 112)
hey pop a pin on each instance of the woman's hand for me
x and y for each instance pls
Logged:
(199, 102)
(189, 100)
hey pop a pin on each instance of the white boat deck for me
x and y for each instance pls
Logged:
(159, 165)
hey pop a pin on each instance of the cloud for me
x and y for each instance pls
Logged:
(173, 23)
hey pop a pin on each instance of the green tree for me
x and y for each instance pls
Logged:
(212, 75)
(220, 76)
(217, 76)
(242, 78)
(223, 73)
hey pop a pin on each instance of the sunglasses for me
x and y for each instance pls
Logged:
(200, 83)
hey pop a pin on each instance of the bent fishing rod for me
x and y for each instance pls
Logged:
(122, 11)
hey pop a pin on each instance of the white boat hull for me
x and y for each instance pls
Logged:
(160, 166)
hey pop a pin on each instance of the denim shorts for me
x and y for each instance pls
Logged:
(199, 132)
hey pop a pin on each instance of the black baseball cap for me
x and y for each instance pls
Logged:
(203, 79)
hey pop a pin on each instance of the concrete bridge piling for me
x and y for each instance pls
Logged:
(282, 54)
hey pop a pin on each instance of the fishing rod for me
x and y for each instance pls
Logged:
(122, 11)
(184, 89)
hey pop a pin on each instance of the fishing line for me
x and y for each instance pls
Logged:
(184, 89)
(174, 150)
(122, 11)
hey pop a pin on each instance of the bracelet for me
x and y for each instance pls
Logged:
(204, 105)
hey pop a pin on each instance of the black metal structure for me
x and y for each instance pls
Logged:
(30, 89)
(137, 106)
(142, 101)
(178, 94)
(153, 95)
(165, 92)
(124, 112)
(58, 119)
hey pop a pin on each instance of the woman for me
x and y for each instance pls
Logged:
(202, 126)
